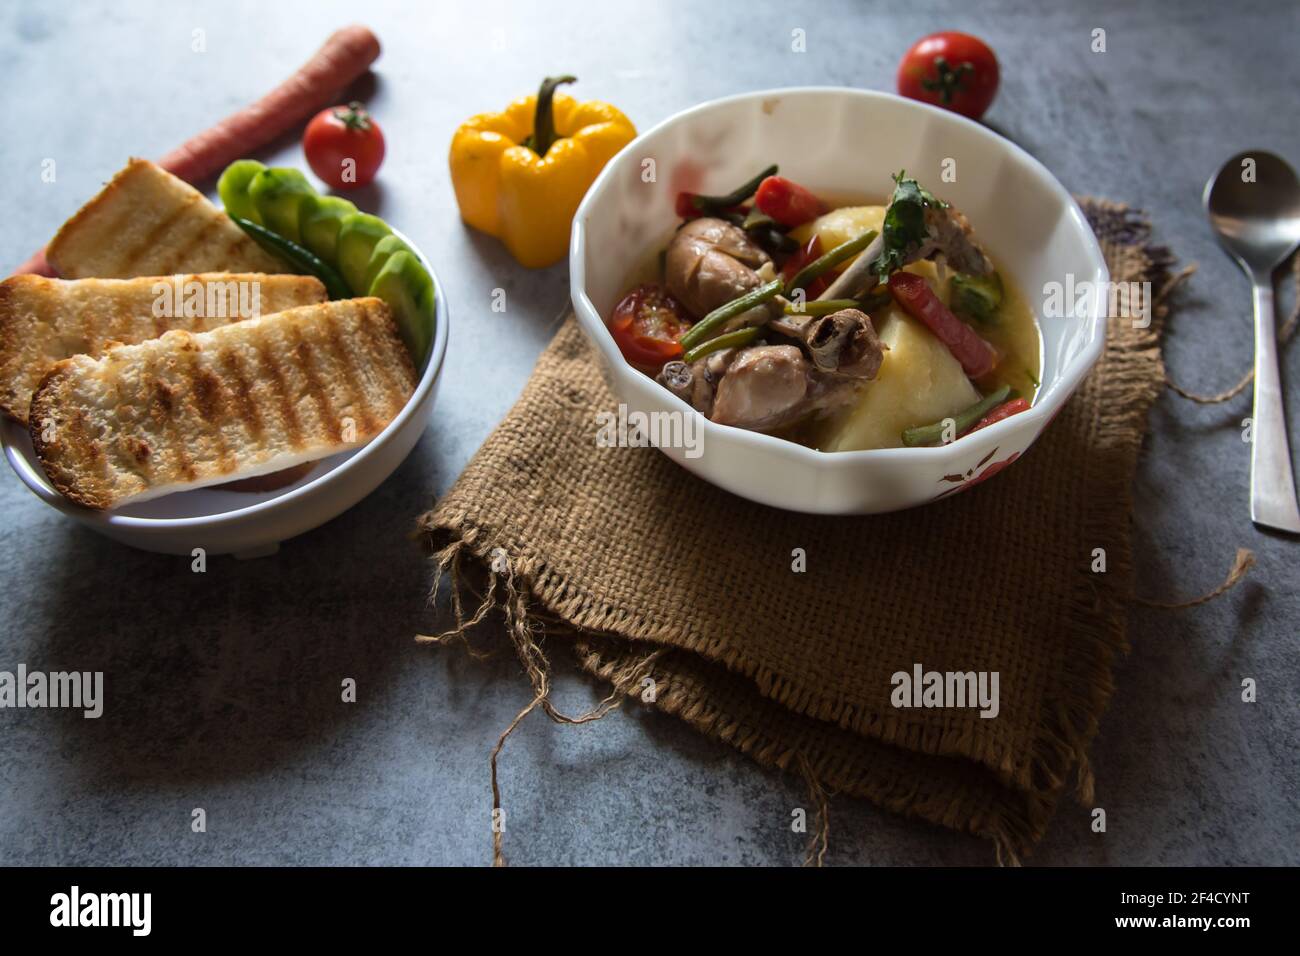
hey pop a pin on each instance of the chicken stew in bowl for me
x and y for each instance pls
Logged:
(837, 324)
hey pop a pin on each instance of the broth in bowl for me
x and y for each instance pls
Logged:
(839, 324)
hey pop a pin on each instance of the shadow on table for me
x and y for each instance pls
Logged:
(240, 669)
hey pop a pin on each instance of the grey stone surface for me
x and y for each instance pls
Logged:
(223, 688)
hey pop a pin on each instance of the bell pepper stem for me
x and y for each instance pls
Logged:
(544, 118)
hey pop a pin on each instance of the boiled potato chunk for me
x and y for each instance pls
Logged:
(919, 383)
(840, 225)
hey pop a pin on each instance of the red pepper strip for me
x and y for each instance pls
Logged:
(913, 293)
(787, 202)
(1005, 410)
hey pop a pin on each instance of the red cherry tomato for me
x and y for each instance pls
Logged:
(954, 70)
(344, 146)
(647, 324)
(787, 202)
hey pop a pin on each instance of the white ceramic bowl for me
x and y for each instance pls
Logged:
(840, 141)
(252, 524)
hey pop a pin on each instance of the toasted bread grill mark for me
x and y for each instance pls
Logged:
(233, 247)
(269, 368)
(162, 410)
(209, 396)
(211, 405)
(372, 329)
(329, 332)
(182, 237)
(153, 239)
(246, 399)
(240, 396)
(302, 353)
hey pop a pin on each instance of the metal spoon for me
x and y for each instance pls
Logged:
(1253, 203)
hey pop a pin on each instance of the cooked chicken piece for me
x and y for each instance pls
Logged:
(678, 378)
(950, 236)
(711, 262)
(696, 383)
(763, 388)
(769, 386)
(844, 342)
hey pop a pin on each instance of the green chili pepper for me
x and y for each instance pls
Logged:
(829, 260)
(933, 434)
(725, 313)
(725, 341)
(733, 198)
(298, 257)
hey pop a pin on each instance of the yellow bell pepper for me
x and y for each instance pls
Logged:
(520, 174)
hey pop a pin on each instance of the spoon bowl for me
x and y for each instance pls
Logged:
(1253, 203)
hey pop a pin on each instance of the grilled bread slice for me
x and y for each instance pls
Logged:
(45, 320)
(146, 222)
(186, 410)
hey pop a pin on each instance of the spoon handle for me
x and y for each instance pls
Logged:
(1272, 487)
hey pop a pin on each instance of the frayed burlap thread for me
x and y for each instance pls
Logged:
(616, 554)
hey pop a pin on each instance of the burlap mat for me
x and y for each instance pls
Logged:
(622, 557)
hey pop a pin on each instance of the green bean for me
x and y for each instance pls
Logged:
(829, 260)
(933, 434)
(724, 341)
(733, 198)
(298, 257)
(820, 307)
(875, 300)
(725, 313)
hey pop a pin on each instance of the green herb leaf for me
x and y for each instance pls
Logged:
(904, 228)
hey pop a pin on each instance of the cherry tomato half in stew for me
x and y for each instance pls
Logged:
(787, 202)
(647, 325)
(344, 146)
(954, 70)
